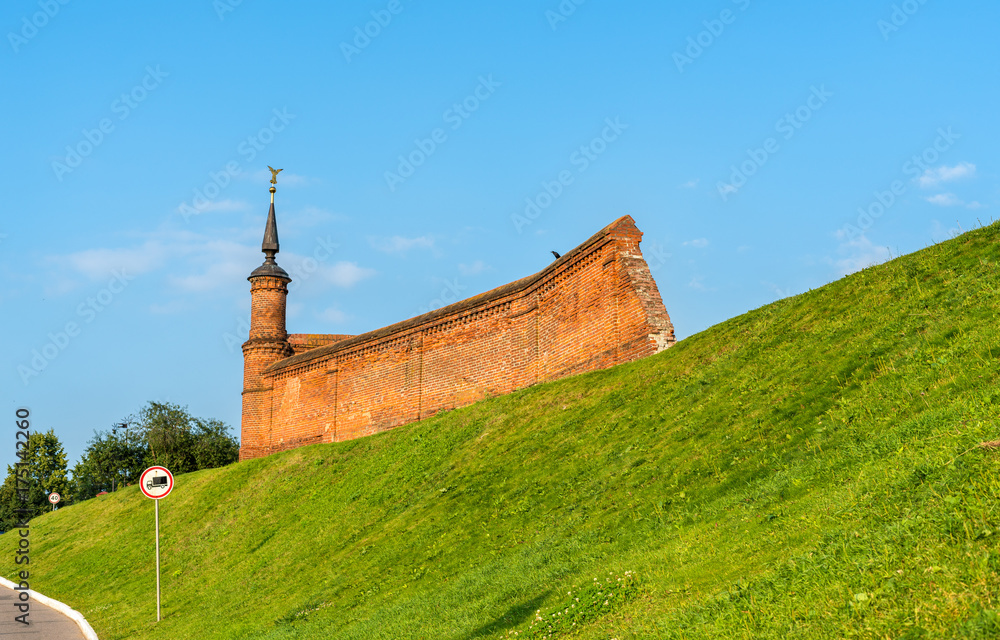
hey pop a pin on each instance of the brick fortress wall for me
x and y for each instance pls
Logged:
(594, 307)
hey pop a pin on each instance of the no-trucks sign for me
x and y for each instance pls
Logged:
(156, 482)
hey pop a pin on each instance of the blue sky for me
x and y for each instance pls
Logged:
(763, 148)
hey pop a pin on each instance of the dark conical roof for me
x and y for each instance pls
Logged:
(270, 247)
(270, 233)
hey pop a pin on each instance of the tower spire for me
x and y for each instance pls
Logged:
(270, 244)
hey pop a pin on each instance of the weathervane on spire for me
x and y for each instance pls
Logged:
(274, 174)
(270, 244)
(274, 181)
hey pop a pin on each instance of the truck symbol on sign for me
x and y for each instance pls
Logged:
(158, 481)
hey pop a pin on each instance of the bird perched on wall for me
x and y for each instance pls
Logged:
(556, 255)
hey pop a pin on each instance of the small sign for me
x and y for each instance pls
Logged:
(54, 498)
(156, 482)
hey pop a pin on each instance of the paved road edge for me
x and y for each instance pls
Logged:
(72, 614)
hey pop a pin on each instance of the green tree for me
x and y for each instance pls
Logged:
(110, 461)
(43, 471)
(160, 434)
(183, 443)
(168, 429)
(214, 447)
(87, 482)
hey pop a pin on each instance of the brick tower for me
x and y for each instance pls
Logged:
(268, 341)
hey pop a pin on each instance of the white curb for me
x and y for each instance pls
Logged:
(72, 614)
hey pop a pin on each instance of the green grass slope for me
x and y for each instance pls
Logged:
(810, 469)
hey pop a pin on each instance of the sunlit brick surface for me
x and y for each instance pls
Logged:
(595, 307)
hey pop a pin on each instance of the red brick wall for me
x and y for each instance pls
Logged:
(595, 307)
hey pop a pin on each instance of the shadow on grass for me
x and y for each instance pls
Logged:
(512, 618)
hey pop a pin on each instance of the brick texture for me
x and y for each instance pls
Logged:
(594, 307)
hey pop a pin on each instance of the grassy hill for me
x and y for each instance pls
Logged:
(810, 469)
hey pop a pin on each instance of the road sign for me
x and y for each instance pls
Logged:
(54, 498)
(156, 482)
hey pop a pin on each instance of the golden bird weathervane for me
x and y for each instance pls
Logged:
(274, 174)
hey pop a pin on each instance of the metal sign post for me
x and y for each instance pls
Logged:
(156, 483)
(157, 509)
(54, 499)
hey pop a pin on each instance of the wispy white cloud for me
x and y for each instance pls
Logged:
(333, 315)
(776, 290)
(345, 274)
(60, 286)
(197, 264)
(212, 278)
(213, 265)
(473, 269)
(399, 244)
(312, 216)
(858, 253)
(168, 308)
(302, 221)
(951, 200)
(934, 177)
(191, 264)
(690, 184)
(945, 200)
(698, 283)
(97, 264)
(218, 205)
(697, 243)
(940, 233)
